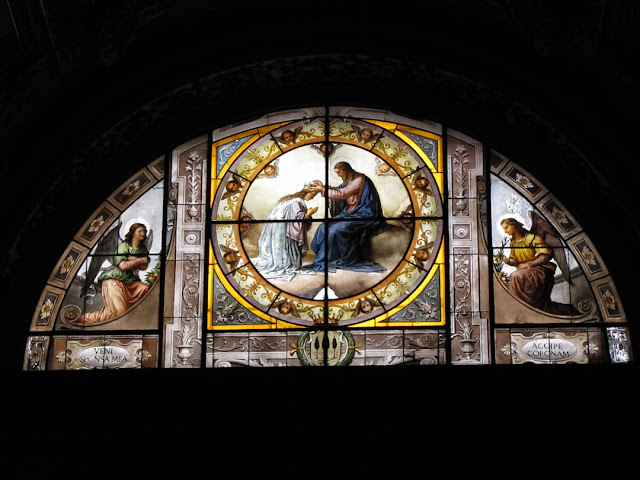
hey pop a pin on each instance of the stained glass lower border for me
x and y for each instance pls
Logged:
(84, 352)
(577, 345)
(326, 347)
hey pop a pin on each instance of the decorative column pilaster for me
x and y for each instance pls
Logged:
(469, 300)
(183, 315)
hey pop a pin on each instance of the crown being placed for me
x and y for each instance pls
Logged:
(316, 183)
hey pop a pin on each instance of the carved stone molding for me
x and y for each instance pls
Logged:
(193, 194)
(183, 329)
(469, 315)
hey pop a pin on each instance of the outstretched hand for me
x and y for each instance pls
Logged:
(311, 211)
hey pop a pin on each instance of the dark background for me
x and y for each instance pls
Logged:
(90, 91)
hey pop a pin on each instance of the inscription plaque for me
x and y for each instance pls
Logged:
(104, 357)
(549, 349)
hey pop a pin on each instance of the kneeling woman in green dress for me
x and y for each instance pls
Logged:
(121, 286)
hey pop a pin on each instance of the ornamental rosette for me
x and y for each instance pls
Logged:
(47, 308)
(592, 348)
(96, 224)
(142, 356)
(559, 215)
(588, 256)
(67, 264)
(64, 356)
(524, 181)
(131, 188)
(610, 300)
(510, 350)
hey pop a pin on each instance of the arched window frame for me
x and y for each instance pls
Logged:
(470, 309)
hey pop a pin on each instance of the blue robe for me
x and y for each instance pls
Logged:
(348, 244)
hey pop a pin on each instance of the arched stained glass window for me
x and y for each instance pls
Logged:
(331, 236)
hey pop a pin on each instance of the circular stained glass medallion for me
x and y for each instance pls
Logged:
(310, 226)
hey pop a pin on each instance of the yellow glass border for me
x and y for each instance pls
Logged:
(257, 134)
(379, 320)
(398, 129)
(214, 268)
(217, 178)
(376, 322)
(389, 126)
(416, 149)
(422, 133)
